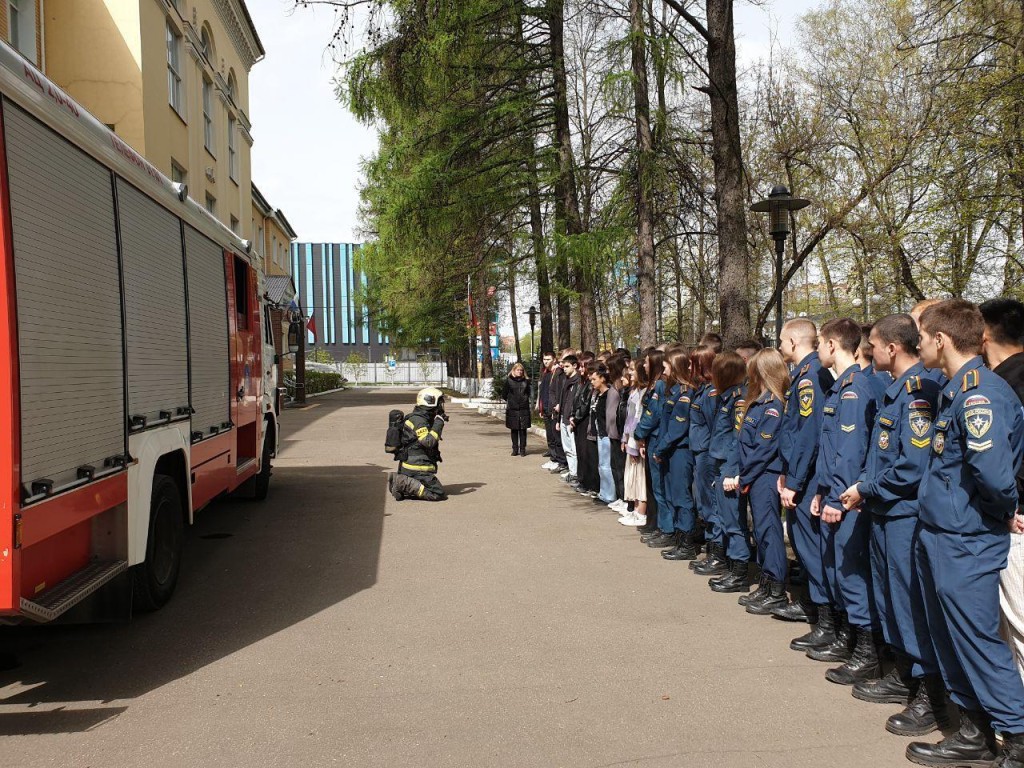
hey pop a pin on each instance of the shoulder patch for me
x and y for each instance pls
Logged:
(851, 395)
(920, 405)
(772, 412)
(978, 420)
(974, 445)
(712, 392)
(829, 410)
(847, 427)
(806, 400)
(885, 421)
(804, 383)
(975, 400)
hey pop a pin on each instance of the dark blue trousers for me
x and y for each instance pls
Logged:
(897, 589)
(846, 560)
(960, 585)
(679, 489)
(705, 471)
(732, 511)
(666, 512)
(764, 510)
(806, 538)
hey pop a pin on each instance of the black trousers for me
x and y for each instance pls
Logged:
(554, 440)
(618, 468)
(518, 440)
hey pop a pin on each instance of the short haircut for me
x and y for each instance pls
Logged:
(900, 330)
(958, 319)
(753, 344)
(802, 328)
(728, 370)
(713, 340)
(1005, 320)
(845, 332)
(549, 353)
(922, 305)
(586, 358)
(624, 352)
(571, 360)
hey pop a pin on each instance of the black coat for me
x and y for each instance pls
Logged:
(517, 398)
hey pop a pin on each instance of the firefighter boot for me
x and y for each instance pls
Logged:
(733, 581)
(686, 549)
(757, 594)
(714, 564)
(926, 712)
(775, 598)
(839, 649)
(973, 744)
(863, 664)
(405, 487)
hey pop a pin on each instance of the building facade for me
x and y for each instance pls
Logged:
(331, 288)
(171, 78)
(21, 26)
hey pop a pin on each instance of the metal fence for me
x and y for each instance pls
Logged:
(390, 374)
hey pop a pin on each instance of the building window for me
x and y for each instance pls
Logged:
(208, 137)
(178, 174)
(211, 203)
(234, 225)
(232, 153)
(21, 23)
(232, 86)
(174, 69)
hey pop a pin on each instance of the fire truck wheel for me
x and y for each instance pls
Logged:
(156, 578)
(263, 478)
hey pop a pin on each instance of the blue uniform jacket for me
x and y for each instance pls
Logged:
(846, 433)
(900, 445)
(801, 422)
(977, 444)
(702, 417)
(759, 439)
(658, 446)
(726, 430)
(675, 429)
(650, 419)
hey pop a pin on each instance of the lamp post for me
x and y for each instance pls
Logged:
(778, 205)
(532, 314)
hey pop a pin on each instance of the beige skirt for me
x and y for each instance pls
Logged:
(634, 483)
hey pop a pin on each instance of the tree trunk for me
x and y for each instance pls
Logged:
(645, 159)
(547, 336)
(727, 156)
(512, 308)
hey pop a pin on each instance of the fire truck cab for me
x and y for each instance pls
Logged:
(137, 376)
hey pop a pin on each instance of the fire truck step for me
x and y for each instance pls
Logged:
(72, 590)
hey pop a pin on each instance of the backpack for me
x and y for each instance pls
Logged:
(393, 439)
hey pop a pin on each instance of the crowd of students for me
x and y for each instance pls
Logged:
(889, 456)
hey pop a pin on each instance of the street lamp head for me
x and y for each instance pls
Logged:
(777, 205)
(532, 312)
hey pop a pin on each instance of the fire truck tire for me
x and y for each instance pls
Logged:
(156, 577)
(263, 478)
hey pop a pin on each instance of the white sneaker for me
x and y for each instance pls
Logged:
(563, 475)
(548, 465)
(632, 518)
(619, 506)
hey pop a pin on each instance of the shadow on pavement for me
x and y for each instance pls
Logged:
(461, 489)
(250, 570)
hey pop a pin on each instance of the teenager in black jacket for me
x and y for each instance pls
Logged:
(517, 407)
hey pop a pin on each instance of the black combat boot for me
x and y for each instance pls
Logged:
(1012, 755)
(648, 534)
(973, 744)
(775, 598)
(863, 664)
(795, 611)
(757, 594)
(664, 541)
(734, 581)
(894, 688)
(686, 549)
(840, 649)
(714, 564)
(821, 635)
(926, 712)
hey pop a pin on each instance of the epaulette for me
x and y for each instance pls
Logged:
(913, 384)
(848, 381)
(804, 370)
(971, 380)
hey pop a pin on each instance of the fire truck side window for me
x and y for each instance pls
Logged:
(242, 294)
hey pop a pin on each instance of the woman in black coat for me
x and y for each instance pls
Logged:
(517, 408)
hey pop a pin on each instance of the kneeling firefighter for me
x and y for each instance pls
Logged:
(421, 451)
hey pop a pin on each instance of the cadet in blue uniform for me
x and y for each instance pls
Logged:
(767, 382)
(849, 414)
(674, 453)
(661, 451)
(897, 457)
(967, 498)
(702, 416)
(646, 435)
(798, 450)
(727, 375)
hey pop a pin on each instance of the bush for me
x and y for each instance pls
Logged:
(499, 389)
(316, 381)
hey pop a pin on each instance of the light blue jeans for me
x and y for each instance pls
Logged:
(604, 470)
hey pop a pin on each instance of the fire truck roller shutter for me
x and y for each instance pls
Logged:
(154, 296)
(208, 332)
(69, 304)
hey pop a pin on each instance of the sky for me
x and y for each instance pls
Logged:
(307, 148)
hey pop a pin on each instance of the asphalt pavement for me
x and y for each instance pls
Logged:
(515, 624)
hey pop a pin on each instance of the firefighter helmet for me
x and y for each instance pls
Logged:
(431, 397)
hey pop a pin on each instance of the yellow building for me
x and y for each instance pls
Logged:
(170, 77)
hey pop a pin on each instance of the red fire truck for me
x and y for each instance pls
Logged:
(137, 377)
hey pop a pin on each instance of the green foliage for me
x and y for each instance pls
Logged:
(320, 355)
(356, 365)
